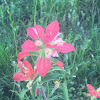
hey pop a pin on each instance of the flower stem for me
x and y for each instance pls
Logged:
(44, 95)
(65, 90)
(35, 4)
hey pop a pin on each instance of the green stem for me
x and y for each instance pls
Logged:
(35, 3)
(65, 90)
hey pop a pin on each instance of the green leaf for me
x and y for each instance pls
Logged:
(54, 60)
(23, 92)
(36, 77)
(53, 75)
(35, 53)
(77, 37)
(34, 86)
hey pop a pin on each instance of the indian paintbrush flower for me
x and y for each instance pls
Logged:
(93, 92)
(28, 71)
(47, 43)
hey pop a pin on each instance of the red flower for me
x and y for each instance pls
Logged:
(45, 41)
(29, 72)
(93, 92)
(60, 64)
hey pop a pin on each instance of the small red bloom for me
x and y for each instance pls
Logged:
(29, 72)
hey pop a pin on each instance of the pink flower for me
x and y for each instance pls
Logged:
(27, 69)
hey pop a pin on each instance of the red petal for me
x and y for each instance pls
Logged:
(32, 33)
(40, 31)
(43, 66)
(46, 38)
(53, 29)
(29, 45)
(23, 54)
(65, 48)
(89, 86)
(93, 92)
(60, 64)
(19, 76)
(51, 46)
(28, 66)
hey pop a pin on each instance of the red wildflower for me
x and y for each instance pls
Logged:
(93, 92)
(29, 72)
(45, 41)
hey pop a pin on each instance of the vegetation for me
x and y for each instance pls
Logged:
(80, 25)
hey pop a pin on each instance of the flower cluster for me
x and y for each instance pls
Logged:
(93, 92)
(44, 45)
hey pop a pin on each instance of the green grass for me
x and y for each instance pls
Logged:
(80, 25)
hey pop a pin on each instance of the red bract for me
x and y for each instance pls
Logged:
(29, 45)
(23, 54)
(29, 73)
(60, 64)
(93, 92)
(89, 86)
(43, 66)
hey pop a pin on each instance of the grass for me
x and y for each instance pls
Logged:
(79, 23)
